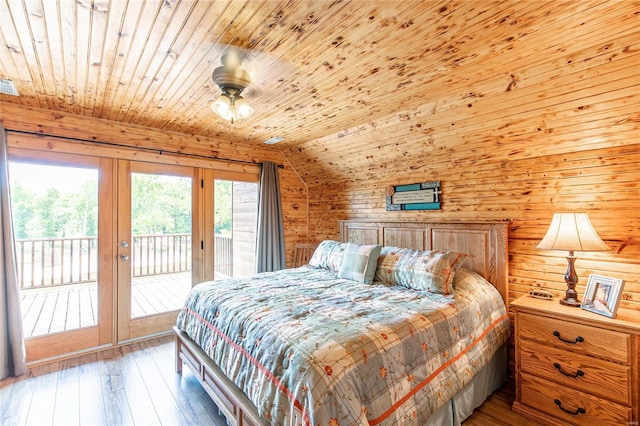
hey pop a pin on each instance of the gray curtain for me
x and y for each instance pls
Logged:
(270, 238)
(12, 353)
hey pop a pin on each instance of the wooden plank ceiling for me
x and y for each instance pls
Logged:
(317, 67)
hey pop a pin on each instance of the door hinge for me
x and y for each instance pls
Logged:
(201, 183)
(201, 245)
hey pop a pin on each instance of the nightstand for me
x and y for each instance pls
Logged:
(576, 367)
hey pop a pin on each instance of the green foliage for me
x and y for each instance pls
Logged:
(23, 210)
(53, 214)
(160, 205)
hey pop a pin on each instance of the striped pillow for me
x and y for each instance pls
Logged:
(431, 270)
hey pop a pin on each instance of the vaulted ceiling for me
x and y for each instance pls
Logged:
(317, 67)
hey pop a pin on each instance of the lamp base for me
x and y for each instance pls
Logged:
(571, 278)
(570, 302)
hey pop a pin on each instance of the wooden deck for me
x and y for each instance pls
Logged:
(54, 309)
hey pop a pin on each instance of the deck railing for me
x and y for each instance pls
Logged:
(52, 262)
(223, 252)
(160, 254)
(56, 261)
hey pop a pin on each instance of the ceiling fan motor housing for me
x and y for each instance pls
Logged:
(227, 78)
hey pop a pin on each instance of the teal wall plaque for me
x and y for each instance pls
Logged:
(417, 196)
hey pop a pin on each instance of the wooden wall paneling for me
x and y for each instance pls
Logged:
(245, 215)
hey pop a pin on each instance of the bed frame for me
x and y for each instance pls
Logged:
(484, 242)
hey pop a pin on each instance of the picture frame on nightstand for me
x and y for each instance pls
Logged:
(602, 295)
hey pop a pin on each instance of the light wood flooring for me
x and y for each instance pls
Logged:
(137, 385)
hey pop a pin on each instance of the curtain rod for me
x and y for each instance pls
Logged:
(143, 148)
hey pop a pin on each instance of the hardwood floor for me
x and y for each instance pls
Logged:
(134, 384)
(137, 385)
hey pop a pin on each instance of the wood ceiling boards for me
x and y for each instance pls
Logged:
(318, 67)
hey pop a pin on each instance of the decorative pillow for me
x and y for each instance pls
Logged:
(328, 255)
(359, 262)
(430, 270)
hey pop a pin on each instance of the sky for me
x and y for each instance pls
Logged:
(38, 178)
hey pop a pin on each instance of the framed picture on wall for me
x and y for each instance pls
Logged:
(602, 295)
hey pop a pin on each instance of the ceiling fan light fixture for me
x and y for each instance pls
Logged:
(222, 107)
(231, 107)
(232, 80)
(243, 109)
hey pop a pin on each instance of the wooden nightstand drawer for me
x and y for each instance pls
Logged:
(571, 405)
(607, 344)
(592, 375)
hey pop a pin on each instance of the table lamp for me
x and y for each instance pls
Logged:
(571, 232)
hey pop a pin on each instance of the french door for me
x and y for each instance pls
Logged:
(61, 209)
(154, 246)
(109, 246)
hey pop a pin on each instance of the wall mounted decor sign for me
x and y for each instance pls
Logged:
(602, 295)
(417, 196)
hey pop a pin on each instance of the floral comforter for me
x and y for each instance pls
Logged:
(312, 349)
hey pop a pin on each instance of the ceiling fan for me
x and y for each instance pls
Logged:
(232, 79)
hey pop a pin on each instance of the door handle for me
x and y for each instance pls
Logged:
(124, 257)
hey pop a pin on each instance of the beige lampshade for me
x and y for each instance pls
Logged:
(571, 232)
(222, 107)
(242, 108)
(231, 108)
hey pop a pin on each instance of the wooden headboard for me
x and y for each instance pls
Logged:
(484, 242)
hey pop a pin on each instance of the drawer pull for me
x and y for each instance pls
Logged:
(559, 368)
(573, 342)
(580, 410)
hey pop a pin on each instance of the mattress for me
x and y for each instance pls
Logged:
(309, 348)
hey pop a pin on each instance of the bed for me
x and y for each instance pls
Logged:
(322, 345)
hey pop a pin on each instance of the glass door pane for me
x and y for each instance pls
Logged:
(161, 235)
(235, 225)
(55, 218)
(154, 246)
